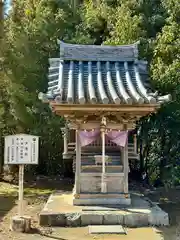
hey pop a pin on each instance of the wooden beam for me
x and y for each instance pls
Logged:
(65, 108)
(94, 125)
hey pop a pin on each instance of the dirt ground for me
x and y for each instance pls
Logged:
(37, 193)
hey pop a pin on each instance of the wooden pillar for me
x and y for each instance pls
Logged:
(103, 180)
(103, 177)
(126, 166)
(78, 163)
(65, 138)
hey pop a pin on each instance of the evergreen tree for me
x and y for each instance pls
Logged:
(31, 32)
(166, 62)
(28, 37)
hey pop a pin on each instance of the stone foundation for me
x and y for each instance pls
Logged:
(59, 211)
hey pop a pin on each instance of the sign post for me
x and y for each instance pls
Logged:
(21, 149)
(21, 190)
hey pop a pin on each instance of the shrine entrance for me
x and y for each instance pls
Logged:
(101, 176)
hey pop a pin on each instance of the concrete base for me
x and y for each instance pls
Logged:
(59, 211)
(20, 224)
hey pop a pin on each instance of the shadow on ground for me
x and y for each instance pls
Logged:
(169, 201)
(7, 202)
(48, 183)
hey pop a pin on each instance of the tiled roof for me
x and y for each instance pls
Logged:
(88, 74)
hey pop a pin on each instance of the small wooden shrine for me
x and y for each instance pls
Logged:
(101, 91)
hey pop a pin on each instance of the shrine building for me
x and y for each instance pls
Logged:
(101, 91)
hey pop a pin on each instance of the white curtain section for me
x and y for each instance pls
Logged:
(87, 137)
(115, 136)
(118, 137)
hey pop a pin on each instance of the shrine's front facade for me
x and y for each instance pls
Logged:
(101, 91)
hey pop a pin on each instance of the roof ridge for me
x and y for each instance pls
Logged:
(82, 52)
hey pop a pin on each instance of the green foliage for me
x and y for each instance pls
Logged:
(30, 34)
(125, 26)
(166, 62)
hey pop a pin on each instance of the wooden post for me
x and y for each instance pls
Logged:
(103, 180)
(65, 138)
(126, 166)
(21, 180)
(78, 163)
(21, 223)
(122, 156)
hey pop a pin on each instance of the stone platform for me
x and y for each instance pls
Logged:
(59, 211)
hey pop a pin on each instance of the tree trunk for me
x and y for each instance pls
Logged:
(1, 39)
(1, 19)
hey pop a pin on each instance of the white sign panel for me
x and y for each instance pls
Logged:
(21, 149)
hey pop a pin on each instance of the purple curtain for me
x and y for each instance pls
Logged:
(87, 138)
(117, 137)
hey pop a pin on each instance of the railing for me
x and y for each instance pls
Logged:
(98, 143)
(131, 150)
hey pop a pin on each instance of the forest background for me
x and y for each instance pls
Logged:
(28, 37)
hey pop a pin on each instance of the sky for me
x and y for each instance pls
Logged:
(8, 2)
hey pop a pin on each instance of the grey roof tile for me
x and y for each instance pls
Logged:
(99, 79)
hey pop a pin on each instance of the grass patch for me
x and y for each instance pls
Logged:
(7, 189)
(37, 191)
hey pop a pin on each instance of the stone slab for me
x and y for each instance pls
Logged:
(113, 218)
(89, 218)
(57, 220)
(112, 229)
(136, 220)
(158, 217)
(73, 219)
